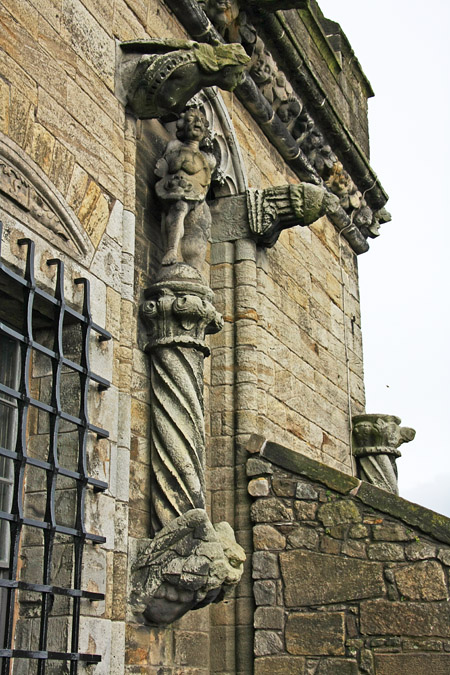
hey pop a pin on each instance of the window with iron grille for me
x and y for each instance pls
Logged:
(45, 381)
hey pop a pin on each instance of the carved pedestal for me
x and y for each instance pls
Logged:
(189, 562)
(376, 439)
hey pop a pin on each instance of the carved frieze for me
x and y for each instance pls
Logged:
(376, 439)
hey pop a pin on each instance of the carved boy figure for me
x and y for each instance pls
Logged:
(185, 176)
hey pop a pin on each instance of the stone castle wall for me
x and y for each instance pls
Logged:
(348, 579)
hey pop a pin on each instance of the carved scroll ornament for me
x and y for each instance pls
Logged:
(376, 439)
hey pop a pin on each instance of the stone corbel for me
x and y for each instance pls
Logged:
(156, 78)
(263, 214)
(376, 439)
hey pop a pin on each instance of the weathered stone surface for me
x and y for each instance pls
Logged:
(259, 487)
(265, 565)
(418, 550)
(256, 467)
(405, 618)
(280, 665)
(386, 552)
(267, 537)
(337, 667)
(305, 491)
(339, 512)
(315, 634)
(422, 581)
(316, 578)
(267, 642)
(265, 592)
(444, 556)
(269, 618)
(270, 511)
(303, 536)
(305, 510)
(283, 487)
(388, 531)
(412, 664)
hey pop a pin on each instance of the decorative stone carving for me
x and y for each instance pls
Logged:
(158, 77)
(223, 15)
(376, 439)
(178, 313)
(185, 176)
(189, 564)
(30, 197)
(319, 153)
(274, 209)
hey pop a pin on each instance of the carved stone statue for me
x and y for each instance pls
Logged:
(319, 153)
(185, 176)
(376, 439)
(223, 15)
(158, 77)
(263, 70)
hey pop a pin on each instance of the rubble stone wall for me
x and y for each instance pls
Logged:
(347, 578)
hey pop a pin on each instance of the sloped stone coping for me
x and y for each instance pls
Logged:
(430, 522)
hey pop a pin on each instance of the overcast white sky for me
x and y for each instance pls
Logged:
(404, 49)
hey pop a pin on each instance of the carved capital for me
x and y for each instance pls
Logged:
(179, 312)
(376, 439)
(189, 564)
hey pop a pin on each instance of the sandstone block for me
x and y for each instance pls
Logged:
(339, 512)
(392, 532)
(315, 634)
(265, 565)
(270, 511)
(303, 537)
(337, 667)
(305, 491)
(412, 664)
(422, 581)
(280, 665)
(267, 642)
(316, 578)
(380, 617)
(386, 552)
(269, 618)
(266, 537)
(305, 510)
(418, 550)
(265, 592)
(259, 487)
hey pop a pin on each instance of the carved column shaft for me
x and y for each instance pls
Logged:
(178, 313)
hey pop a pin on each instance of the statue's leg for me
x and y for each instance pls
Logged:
(174, 230)
(197, 229)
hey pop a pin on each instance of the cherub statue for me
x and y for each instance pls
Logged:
(185, 176)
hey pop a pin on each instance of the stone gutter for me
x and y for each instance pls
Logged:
(430, 522)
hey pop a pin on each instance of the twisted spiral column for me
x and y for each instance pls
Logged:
(178, 313)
